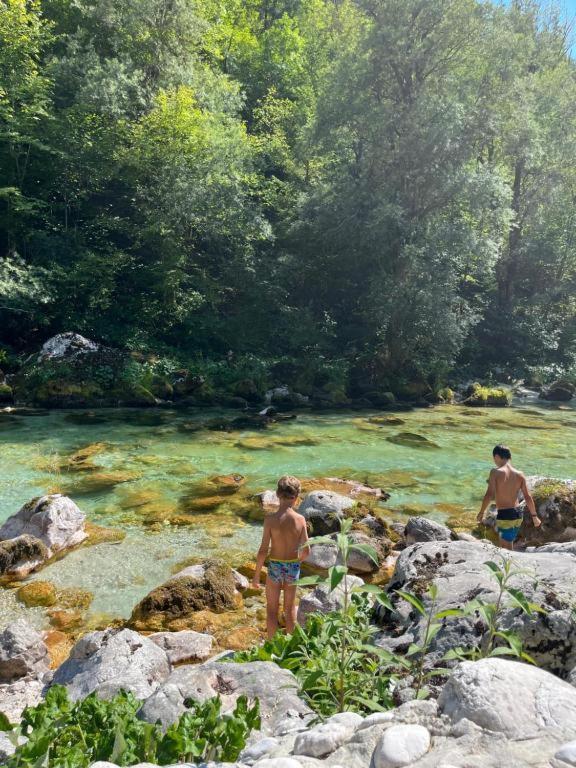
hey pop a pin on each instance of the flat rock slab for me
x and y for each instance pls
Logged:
(107, 661)
(275, 688)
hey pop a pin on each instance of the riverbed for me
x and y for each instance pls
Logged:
(432, 461)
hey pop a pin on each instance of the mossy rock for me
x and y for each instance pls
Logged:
(160, 387)
(386, 421)
(21, 552)
(37, 593)
(381, 399)
(412, 440)
(6, 394)
(74, 598)
(182, 596)
(445, 395)
(135, 396)
(62, 393)
(98, 534)
(492, 397)
(96, 482)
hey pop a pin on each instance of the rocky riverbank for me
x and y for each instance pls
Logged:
(175, 648)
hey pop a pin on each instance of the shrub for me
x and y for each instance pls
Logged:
(496, 397)
(64, 734)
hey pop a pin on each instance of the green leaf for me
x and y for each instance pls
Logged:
(449, 612)
(367, 550)
(309, 581)
(520, 599)
(336, 575)
(413, 600)
(5, 724)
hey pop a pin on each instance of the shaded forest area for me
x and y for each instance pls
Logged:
(382, 190)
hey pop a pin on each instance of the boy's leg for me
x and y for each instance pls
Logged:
(273, 590)
(290, 607)
(506, 544)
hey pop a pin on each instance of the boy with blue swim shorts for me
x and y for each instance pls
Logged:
(504, 486)
(284, 542)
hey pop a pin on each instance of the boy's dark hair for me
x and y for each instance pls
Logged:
(288, 486)
(502, 451)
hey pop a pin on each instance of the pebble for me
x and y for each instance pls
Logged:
(567, 753)
(401, 745)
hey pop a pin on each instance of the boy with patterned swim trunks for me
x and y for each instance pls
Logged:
(283, 540)
(504, 485)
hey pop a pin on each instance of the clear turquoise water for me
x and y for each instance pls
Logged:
(163, 460)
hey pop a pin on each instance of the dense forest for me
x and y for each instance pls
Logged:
(386, 186)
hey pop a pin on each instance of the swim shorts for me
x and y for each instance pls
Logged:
(508, 522)
(284, 571)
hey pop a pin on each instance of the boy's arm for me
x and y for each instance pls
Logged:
(488, 496)
(262, 554)
(303, 549)
(529, 499)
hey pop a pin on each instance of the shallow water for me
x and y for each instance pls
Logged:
(156, 456)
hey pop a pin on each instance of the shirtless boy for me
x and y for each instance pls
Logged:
(283, 539)
(504, 485)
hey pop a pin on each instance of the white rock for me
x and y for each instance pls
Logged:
(16, 696)
(278, 762)
(322, 600)
(186, 645)
(424, 529)
(567, 753)
(54, 519)
(327, 737)
(258, 750)
(377, 718)
(508, 697)
(23, 653)
(107, 661)
(68, 345)
(198, 571)
(401, 745)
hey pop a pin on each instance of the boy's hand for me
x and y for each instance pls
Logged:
(536, 521)
(480, 517)
(256, 585)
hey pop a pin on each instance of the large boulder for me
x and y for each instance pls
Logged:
(324, 511)
(517, 700)
(424, 529)
(67, 346)
(22, 555)
(23, 653)
(55, 520)
(275, 688)
(458, 568)
(109, 661)
(556, 505)
(559, 391)
(211, 586)
(323, 600)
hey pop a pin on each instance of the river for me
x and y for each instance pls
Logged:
(149, 461)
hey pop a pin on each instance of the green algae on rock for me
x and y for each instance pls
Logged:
(495, 397)
(412, 440)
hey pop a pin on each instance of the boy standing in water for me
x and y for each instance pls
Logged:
(283, 538)
(504, 485)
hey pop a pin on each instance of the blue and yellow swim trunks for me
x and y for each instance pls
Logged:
(508, 522)
(284, 571)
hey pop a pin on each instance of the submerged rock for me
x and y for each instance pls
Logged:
(275, 688)
(112, 660)
(411, 440)
(54, 519)
(37, 593)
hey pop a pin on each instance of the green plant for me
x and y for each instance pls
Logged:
(65, 734)
(417, 652)
(332, 656)
(497, 641)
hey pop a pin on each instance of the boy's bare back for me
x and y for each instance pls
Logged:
(508, 482)
(287, 532)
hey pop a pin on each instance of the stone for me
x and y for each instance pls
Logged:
(279, 762)
(321, 557)
(323, 511)
(184, 646)
(279, 701)
(458, 568)
(199, 572)
(327, 737)
(322, 600)
(257, 751)
(424, 529)
(109, 660)
(66, 345)
(358, 560)
(37, 593)
(16, 696)
(401, 745)
(209, 586)
(556, 507)
(508, 697)
(23, 653)
(22, 555)
(567, 753)
(54, 519)
(559, 391)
